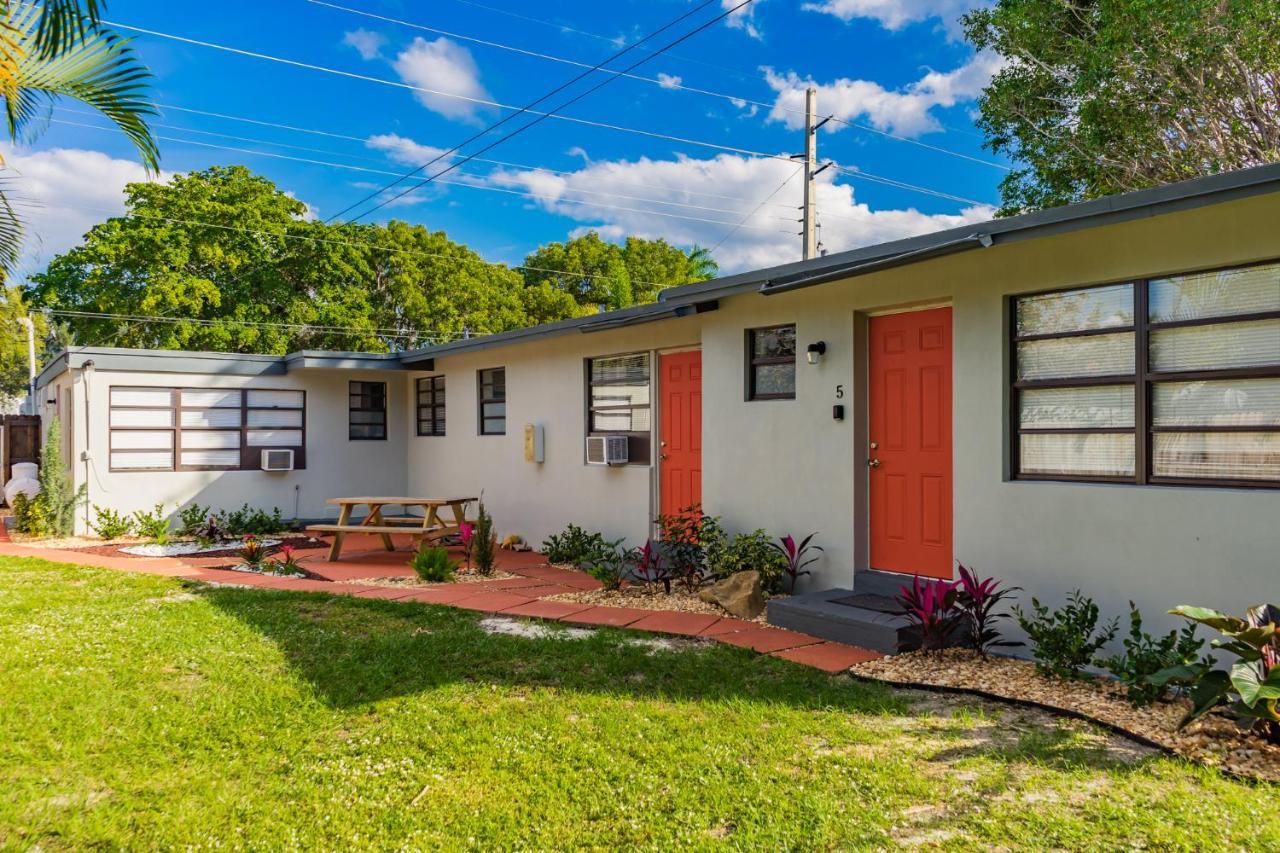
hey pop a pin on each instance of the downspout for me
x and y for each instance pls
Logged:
(86, 371)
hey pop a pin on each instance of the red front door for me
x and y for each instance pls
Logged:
(910, 442)
(680, 433)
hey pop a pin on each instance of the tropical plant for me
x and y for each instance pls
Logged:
(930, 608)
(649, 567)
(58, 498)
(484, 549)
(682, 535)
(191, 517)
(746, 552)
(31, 516)
(609, 565)
(59, 49)
(154, 525)
(252, 551)
(286, 563)
(1251, 687)
(977, 602)
(1144, 656)
(1067, 640)
(109, 524)
(249, 519)
(572, 545)
(209, 532)
(433, 564)
(795, 558)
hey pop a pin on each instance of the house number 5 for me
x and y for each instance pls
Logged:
(839, 392)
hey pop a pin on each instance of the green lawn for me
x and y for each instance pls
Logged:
(137, 712)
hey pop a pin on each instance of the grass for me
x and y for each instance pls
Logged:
(141, 713)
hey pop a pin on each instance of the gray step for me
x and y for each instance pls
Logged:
(820, 614)
(880, 583)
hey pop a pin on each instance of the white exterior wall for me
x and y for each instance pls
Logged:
(546, 385)
(336, 466)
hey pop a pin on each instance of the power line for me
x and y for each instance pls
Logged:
(688, 35)
(527, 107)
(762, 203)
(736, 100)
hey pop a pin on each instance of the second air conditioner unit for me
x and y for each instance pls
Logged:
(607, 450)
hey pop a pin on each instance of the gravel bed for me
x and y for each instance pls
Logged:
(1214, 740)
(634, 596)
(411, 581)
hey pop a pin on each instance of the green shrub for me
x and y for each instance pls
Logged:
(109, 524)
(745, 552)
(31, 516)
(573, 545)
(250, 521)
(682, 537)
(1145, 655)
(1065, 641)
(154, 525)
(58, 498)
(609, 564)
(191, 517)
(484, 544)
(433, 563)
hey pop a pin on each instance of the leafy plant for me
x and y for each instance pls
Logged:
(252, 551)
(1144, 656)
(467, 536)
(191, 517)
(1065, 641)
(682, 535)
(794, 557)
(484, 549)
(930, 606)
(58, 499)
(433, 564)
(1251, 687)
(31, 516)
(251, 520)
(572, 545)
(747, 552)
(977, 602)
(609, 565)
(209, 532)
(286, 563)
(109, 524)
(153, 526)
(649, 567)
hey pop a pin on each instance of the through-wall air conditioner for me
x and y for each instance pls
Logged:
(607, 450)
(277, 460)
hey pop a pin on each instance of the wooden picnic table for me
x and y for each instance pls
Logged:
(426, 527)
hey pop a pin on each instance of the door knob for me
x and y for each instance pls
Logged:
(873, 463)
(662, 456)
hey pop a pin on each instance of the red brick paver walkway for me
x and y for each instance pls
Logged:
(521, 595)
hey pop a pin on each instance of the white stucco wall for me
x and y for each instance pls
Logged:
(336, 466)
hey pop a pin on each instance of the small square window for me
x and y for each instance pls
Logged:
(771, 363)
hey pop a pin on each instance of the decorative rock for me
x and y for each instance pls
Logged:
(739, 594)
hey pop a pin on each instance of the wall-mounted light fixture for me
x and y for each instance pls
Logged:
(816, 351)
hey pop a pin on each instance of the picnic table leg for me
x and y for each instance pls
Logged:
(375, 518)
(344, 515)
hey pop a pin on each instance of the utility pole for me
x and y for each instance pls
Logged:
(809, 234)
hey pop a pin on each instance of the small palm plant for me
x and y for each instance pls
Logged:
(796, 557)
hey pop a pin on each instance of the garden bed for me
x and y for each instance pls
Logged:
(678, 599)
(411, 581)
(115, 548)
(1214, 740)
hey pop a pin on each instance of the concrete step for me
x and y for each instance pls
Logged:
(820, 614)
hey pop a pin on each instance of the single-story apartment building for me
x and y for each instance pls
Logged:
(1087, 396)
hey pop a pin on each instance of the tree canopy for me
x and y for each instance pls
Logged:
(1105, 96)
(234, 264)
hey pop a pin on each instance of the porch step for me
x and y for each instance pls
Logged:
(820, 614)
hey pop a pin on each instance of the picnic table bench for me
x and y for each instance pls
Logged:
(427, 527)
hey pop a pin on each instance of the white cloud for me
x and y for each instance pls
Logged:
(733, 186)
(367, 43)
(444, 66)
(905, 111)
(896, 14)
(62, 192)
(743, 19)
(403, 149)
(668, 81)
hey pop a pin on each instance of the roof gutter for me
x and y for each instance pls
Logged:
(951, 247)
(683, 310)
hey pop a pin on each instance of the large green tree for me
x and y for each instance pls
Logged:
(238, 267)
(588, 274)
(1104, 96)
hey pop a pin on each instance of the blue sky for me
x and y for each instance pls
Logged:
(898, 67)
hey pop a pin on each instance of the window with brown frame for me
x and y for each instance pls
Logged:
(1164, 381)
(492, 385)
(618, 402)
(367, 411)
(203, 429)
(431, 405)
(771, 363)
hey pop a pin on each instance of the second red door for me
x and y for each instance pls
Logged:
(680, 431)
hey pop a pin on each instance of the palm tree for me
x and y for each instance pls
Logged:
(701, 265)
(55, 49)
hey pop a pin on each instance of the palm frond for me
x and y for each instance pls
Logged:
(65, 22)
(100, 70)
(10, 230)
